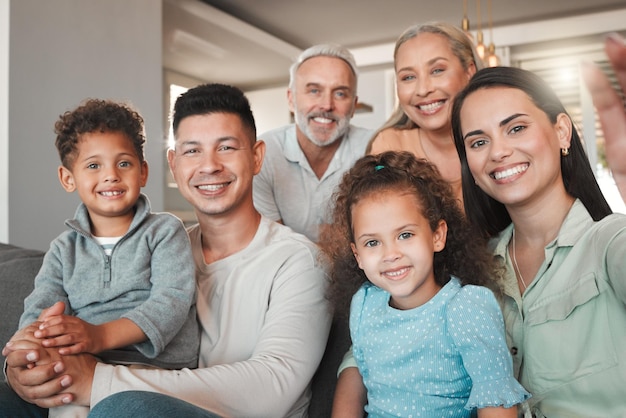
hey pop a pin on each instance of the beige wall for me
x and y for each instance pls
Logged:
(60, 53)
(4, 120)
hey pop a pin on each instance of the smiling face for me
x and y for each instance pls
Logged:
(108, 176)
(323, 99)
(428, 76)
(214, 161)
(394, 246)
(512, 147)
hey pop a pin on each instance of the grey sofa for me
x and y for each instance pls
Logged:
(18, 267)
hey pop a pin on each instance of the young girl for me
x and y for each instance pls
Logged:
(427, 338)
(528, 184)
(433, 62)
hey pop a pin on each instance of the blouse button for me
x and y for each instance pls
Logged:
(513, 351)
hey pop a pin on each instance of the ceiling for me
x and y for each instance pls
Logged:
(251, 43)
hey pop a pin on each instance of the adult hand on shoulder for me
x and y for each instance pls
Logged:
(610, 107)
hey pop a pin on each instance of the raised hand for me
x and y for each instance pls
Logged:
(610, 107)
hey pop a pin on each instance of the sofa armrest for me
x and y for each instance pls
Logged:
(18, 268)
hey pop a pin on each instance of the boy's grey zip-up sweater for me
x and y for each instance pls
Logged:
(149, 278)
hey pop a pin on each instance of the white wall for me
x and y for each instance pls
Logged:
(4, 121)
(376, 88)
(62, 52)
(270, 108)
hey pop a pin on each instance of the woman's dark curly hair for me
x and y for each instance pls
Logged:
(465, 254)
(95, 115)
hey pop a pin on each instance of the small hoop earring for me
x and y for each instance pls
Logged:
(564, 152)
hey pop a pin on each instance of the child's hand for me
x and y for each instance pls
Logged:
(71, 334)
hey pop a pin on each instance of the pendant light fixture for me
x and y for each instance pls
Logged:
(492, 58)
(465, 23)
(480, 45)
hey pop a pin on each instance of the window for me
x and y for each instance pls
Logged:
(175, 85)
(174, 90)
(560, 67)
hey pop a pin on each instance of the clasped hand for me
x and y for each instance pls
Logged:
(42, 375)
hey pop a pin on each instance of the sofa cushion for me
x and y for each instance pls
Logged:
(325, 380)
(18, 268)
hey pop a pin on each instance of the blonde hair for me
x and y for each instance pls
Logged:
(461, 47)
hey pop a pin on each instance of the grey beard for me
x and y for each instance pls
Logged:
(342, 128)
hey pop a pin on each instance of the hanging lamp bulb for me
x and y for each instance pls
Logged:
(480, 45)
(493, 60)
(465, 23)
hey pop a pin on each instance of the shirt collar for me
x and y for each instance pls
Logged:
(294, 153)
(575, 224)
(292, 149)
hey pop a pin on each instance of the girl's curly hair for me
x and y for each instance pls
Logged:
(96, 115)
(465, 254)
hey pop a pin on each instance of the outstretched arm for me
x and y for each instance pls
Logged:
(610, 107)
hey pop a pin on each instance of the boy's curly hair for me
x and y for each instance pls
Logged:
(96, 115)
(465, 254)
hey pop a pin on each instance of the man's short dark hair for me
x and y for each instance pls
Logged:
(213, 98)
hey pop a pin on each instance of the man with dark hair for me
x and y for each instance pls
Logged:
(259, 286)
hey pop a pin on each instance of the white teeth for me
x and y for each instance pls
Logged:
(499, 175)
(322, 120)
(431, 106)
(211, 187)
(396, 273)
(109, 194)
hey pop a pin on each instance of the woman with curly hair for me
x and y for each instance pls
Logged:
(427, 335)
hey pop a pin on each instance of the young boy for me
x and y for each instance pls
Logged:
(126, 275)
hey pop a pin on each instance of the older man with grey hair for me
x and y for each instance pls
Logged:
(304, 161)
